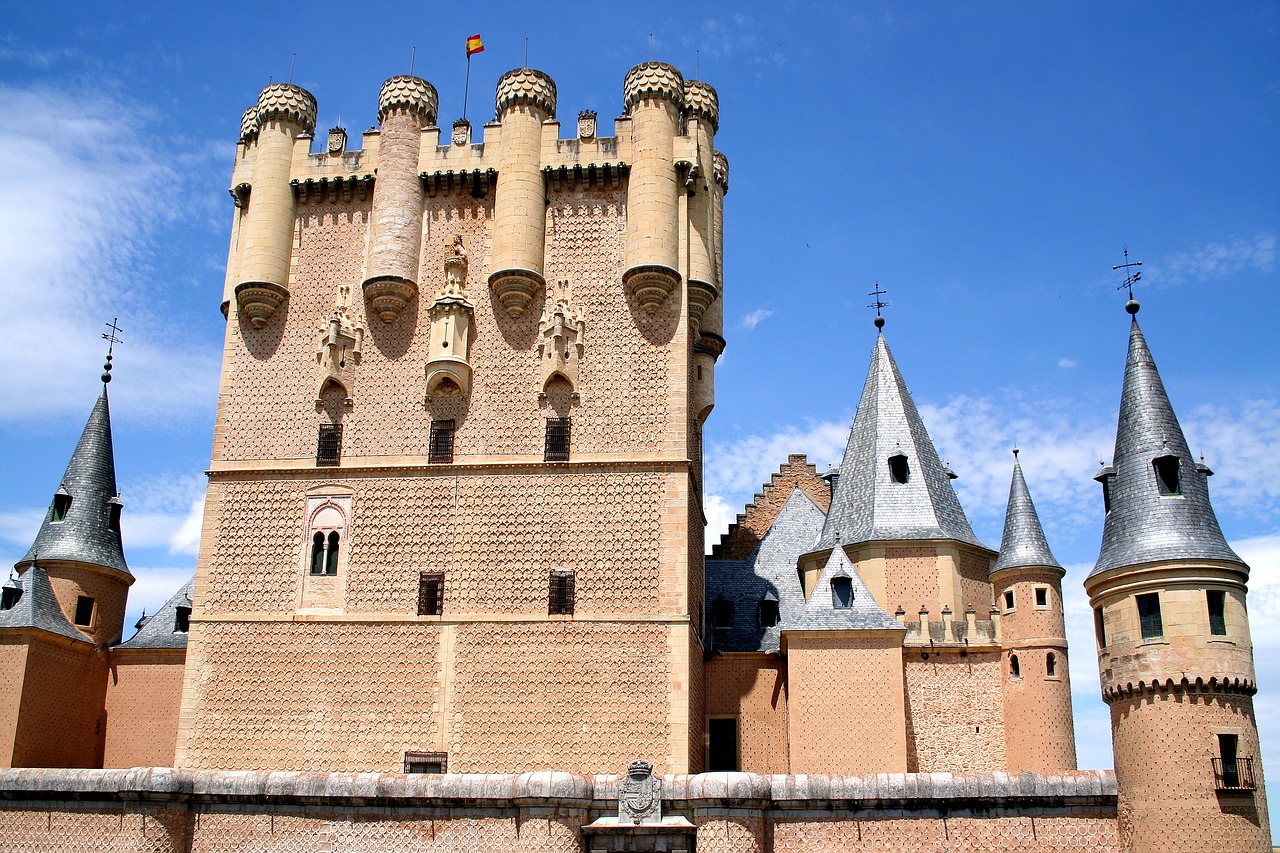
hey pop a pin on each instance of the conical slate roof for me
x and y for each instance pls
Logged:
(160, 631)
(1023, 543)
(867, 503)
(37, 606)
(84, 534)
(1144, 525)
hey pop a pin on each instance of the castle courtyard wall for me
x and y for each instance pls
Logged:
(144, 695)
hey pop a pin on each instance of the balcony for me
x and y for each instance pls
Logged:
(1233, 774)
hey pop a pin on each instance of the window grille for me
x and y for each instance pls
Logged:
(329, 444)
(560, 596)
(430, 593)
(1217, 612)
(426, 762)
(1149, 616)
(84, 611)
(557, 444)
(440, 447)
(1230, 772)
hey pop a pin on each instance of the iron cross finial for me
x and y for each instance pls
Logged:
(112, 338)
(1131, 277)
(878, 304)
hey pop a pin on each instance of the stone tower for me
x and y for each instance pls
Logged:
(453, 371)
(1027, 582)
(1174, 651)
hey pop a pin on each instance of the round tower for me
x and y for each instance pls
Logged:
(702, 117)
(406, 105)
(1027, 581)
(709, 343)
(1174, 651)
(525, 99)
(284, 113)
(654, 97)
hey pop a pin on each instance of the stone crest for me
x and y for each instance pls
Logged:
(587, 124)
(337, 140)
(640, 794)
(461, 132)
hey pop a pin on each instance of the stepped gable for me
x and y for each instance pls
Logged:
(1144, 525)
(867, 503)
(84, 535)
(769, 571)
(1023, 542)
(754, 522)
(820, 612)
(159, 631)
(36, 606)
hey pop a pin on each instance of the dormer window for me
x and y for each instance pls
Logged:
(1167, 477)
(899, 470)
(182, 620)
(767, 612)
(842, 592)
(721, 614)
(61, 503)
(9, 595)
(113, 514)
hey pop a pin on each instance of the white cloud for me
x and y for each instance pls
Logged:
(736, 469)
(720, 514)
(1067, 362)
(20, 526)
(750, 321)
(77, 219)
(186, 539)
(1240, 444)
(1214, 260)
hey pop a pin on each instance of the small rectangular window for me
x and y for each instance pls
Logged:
(440, 443)
(842, 593)
(430, 593)
(767, 613)
(899, 469)
(329, 445)
(557, 443)
(1008, 599)
(9, 596)
(61, 503)
(1099, 628)
(1217, 612)
(1042, 596)
(426, 762)
(84, 611)
(1167, 475)
(182, 620)
(560, 596)
(1149, 616)
(722, 745)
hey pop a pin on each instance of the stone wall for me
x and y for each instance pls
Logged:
(162, 810)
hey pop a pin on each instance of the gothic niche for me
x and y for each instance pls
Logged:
(448, 371)
(561, 336)
(338, 353)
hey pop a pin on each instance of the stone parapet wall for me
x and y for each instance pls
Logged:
(161, 809)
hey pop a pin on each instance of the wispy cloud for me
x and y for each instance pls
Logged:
(1067, 362)
(756, 317)
(1214, 260)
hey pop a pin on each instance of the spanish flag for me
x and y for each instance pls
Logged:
(474, 45)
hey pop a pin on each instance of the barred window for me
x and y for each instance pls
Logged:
(557, 444)
(1149, 616)
(440, 446)
(329, 445)
(426, 762)
(430, 593)
(560, 596)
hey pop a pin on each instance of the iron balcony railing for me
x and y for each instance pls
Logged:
(1233, 774)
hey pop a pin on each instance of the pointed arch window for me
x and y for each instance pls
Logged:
(1167, 475)
(899, 470)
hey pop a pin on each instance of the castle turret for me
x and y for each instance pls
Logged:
(1174, 652)
(525, 99)
(704, 202)
(406, 105)
(654, 97)
(1027, 582)
(78, 545)
(284, 113)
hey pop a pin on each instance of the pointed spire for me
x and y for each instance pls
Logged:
(1160, 506)
(852, 607)
(892, 484)
(1023, 543)
(82, 523)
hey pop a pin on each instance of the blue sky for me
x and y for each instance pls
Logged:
(986, 163)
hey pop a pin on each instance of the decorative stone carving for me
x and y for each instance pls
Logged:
(337, 140)
(640, 794)
(650, 285)
(461, 132)
(587, 124)
(448, 370)
(249, 124)
(701, 295)
(258, 300)
(339, 351)
(526, 87)
(561, 338)
(653, 81)
(410, 94)
(515, 289)
(388, 295)
(702, 102)
(287, 102)
(720, 170)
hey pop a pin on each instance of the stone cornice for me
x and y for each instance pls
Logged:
(1162, 687)
(418, 466)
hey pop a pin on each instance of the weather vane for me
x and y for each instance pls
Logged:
(878, 304)
(1132, 275)
(112, 338)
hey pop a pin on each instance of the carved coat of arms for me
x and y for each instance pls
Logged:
(640, 794)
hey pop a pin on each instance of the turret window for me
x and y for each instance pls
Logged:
(113, 514)
(1099, 628)
(1167, 475)
(1042, 596)
(1051, 665)
(842, 593)
(1217, 612)
(899, 470)
(1015, 668)
(1149, 616)
(1008, 599)
(61, 503)
(84, 611)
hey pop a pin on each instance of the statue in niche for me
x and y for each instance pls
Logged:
(448, 371)
(339, 350)
(561, 340)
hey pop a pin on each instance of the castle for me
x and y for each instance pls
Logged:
(452, 560)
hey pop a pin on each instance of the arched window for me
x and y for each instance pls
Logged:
(317, 554)
(331, 555)
(1015, 670)
(1051, 665)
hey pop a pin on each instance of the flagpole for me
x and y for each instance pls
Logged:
(466, 89)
